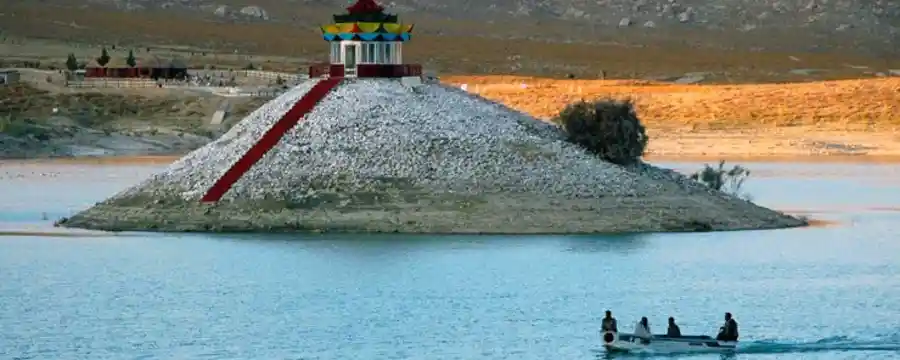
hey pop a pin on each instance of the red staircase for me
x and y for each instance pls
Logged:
(270, 138)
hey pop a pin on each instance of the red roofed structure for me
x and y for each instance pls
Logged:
(365, 7)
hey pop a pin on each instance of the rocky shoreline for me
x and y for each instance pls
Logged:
(484, 214)
(45, 120)
(699, 209)
(87, 143)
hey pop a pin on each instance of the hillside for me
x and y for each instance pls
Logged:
(852, 119)
(843, 18)
(832, 105)
(745, 41)
(46, 123)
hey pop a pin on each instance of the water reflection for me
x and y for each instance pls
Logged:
(381, 244)
(624, 243)
(601, 354)
(376, 245)
(352, 240)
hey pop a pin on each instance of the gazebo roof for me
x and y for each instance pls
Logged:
(365, 7)
(365, 11)
(366, 20)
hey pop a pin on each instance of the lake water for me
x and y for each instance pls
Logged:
(828, 292)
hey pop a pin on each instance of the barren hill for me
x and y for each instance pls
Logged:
(618, 38)
(831, 105)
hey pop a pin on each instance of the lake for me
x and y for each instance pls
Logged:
(826, 292)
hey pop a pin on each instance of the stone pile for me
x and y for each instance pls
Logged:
(377, 156)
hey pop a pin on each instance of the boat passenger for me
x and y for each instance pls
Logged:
(609, 323)
(674, 330)
(728, 331)
(642, 330)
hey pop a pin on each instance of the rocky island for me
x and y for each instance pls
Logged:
(376, 155)
(371, 145)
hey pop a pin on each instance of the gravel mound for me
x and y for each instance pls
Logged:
(377, 156)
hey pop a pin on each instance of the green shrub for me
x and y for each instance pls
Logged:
(608, 128)
(17, 127)
(722, 179)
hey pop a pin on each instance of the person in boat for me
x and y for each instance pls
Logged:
(642, 330)
(674, 330)
(728, 331)
(609, 323)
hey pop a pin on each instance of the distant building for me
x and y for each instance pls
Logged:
(173, 68)
(8, 76)
(153, 68)
(115, 68)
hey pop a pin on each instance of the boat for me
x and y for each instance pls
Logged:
(615, 342)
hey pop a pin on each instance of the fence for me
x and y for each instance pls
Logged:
(266, 93)
(111, 83)
(272, 75)
(148, 83)
(237, 92)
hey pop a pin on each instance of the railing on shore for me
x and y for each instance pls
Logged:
(272, 75)
(259, 74)
(111, 83)
(266, 93)
(237, 92)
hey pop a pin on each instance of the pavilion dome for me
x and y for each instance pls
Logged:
(366, 20)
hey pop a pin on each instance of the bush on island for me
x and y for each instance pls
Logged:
(721, 178)
(606, 127)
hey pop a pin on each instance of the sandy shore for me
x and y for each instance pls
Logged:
(802, 144)
(849, 120)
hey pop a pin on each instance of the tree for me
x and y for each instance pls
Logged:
(729, 181)
(131, 61)
(606, 127)
(72, 62)
(104, 58)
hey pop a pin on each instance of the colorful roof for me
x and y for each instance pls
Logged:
(366, 20)
(367, 31)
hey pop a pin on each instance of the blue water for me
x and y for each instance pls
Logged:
(816, 293)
